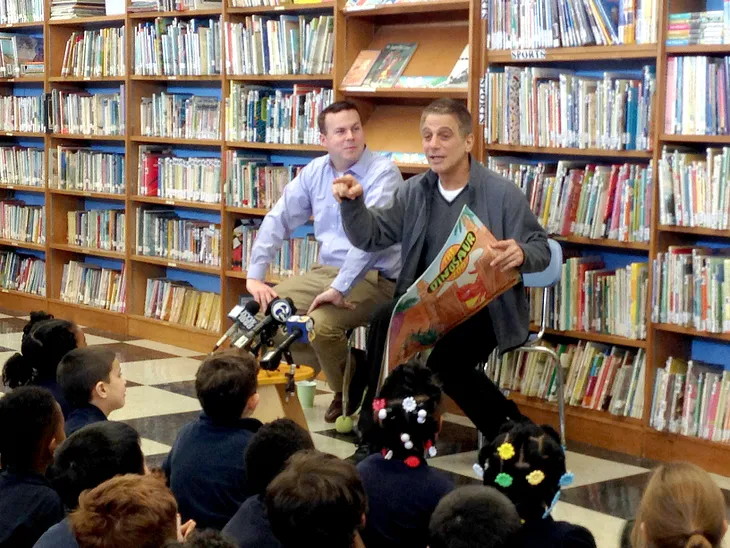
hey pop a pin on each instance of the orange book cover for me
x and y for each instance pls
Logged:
(360, 67)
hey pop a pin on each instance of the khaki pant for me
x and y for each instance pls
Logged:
(328, 351)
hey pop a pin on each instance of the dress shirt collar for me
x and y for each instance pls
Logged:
(359, 168)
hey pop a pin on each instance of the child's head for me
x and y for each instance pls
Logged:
(474, 516)
(92, 375)
(93, 455)
(270, 448)
(207, 538)
(129, 511)
(31, 423)
(226, 385)
(682, 507)
(45, 341)
(318, 498)
(526, 463)
(407, 412)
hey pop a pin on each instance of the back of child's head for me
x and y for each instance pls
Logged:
(407, 413)
(224, 383)
(526, 463)
(206, 538)
(31, 423)
(474, 516)
(81, 369)
(317, 500)
(270, 448)
(129, 511)
(682, 507)
(93, 455)
(45, 341)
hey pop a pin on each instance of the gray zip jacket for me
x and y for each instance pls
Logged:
(500, 205)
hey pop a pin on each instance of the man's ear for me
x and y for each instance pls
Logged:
(469, 142)
(53, 444)
(253, 402)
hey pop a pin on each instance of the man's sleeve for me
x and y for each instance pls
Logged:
(520, 224)
(291, 211)
(358, 262)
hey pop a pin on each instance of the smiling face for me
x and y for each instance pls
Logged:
(344, 138)
(445, 147)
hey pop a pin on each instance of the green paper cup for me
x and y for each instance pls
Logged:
(305, 392)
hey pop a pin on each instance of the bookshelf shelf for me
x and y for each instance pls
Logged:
(89, 251)
(270, 10)
(273, 146)
(24, 79)
(176, 141)
(247, 210)
(243, 275)
(23, 245)
(81, 137)
(31, 25)
(32, 134)
(602, 242)
(574, 410)
(710, 455)
(700, 49)
(78, 79)
(433, 6)
(12, 292)
(175, 325)
(186, 13)
(671, 328)
(595, 152)
(23, 188)
(87, 20)
(196, 78)
(176, 203)
(412, 168)
(87, 194)
(407, 93)
(698, 231)
(280, 77)
(708, 139)
(197, 339)
(88, 315)
(579, 54)
(182, 265)
(593, 337)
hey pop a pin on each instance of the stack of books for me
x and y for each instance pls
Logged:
(255, 182)
(86, 169)
(179, 303)
(164, 175)
(258, 3)
(160, 233)
(173, 5)
(71, 9)
(705, 27)
(86, 113)
(23, 113)
(22, 222)
(95, 53)
(22, 166)
(95, 286)
(97, 229)
(21, 272)
(181, 116)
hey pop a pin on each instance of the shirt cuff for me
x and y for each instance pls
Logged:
(257, 271)
(341, 285)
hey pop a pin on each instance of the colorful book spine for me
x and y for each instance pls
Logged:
(160, 233)
(95, 286)
(87, 170)
(25, 273)
(97, 229)
(95, 53)
(180, 116)
(86, 113)
(164, 175)
(256, 184)
(27, 114)
(179, 303)
(22, 166)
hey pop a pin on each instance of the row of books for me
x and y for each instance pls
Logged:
(88, 170)
(180, 303)
(527, 24)
(592, 298)
(71, 9)
(588, 200)
(405, 157)
(255, 182)
(691, 398)
(19, 113)
(691, 288)
(21, 272)
(179, 116)
(172, 5)
(694, 188)
(21, 55)
(97, 229)
(93, 285)
(257, 3)
(269, 115)
(95, 53)
(548, 107)
(596, 376)
(165, 175)
(161, 233)
(700, 27)
(296, 256)
(697, 96)
(87, 114)
(288, 44)
(21, 222)
(170, 46)
(21, 11)
(23, 166)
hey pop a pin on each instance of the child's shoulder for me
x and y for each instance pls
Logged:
(558, 533)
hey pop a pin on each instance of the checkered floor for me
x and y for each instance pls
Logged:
(161, 398)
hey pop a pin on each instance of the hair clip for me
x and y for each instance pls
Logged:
(387, 455)
(478, 470)
(548, 510)
(407, 443)
(566, 479)
(535, 477)
(378, 404)
(506, 451)
(412, 462)
(503, 479)
(431, 449)
(409, 404)
(422, 414)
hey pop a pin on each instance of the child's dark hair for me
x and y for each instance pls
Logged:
(526, 463)
(29, 416)
(224, 383)
(45, 341)
(270, 448)
(91, 456)
(206, 538)
(81, 369)
(474, 516)
(406, 410)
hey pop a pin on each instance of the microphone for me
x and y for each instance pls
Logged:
(300, 329)
(278, 311)
(241, 315)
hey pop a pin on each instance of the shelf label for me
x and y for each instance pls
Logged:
(9, 133)
(528, 54)
(172, 77)
(279, 8)
(172, 265)
(87, 78)
(87, 194)
(170, 202)
(10, 187)
(14, 243)
(5, 291)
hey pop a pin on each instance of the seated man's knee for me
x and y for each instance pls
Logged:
(326, 328)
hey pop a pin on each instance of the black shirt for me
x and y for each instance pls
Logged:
(548, 533)
(444, 215)
(250, 526)
(28, 507)
(81, 416)
(55, 389)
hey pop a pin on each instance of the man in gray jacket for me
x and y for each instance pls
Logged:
(420, 217)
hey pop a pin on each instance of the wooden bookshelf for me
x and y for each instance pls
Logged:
(602, 242)
(184, 13)
(408, 8)
(182, 265)
(31, 25)
(243, 275)
(589, 152)
(573, 55)
(701, 139)
(406, 93)
(22, 188)
(87, 194)
(22, 245)
(257, 211)
(93, 251)
(176, 78)
(22, 134)
(594, 337)
(81, 137)
(91, 79)
(716, 49)
(690, 331)
(695, 230)
(286, 8)
(280, 77)
(272, 146)
(78, 21)
(176, 141)
(176, 203)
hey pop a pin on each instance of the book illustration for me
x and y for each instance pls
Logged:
(390, 64)
(360, 67)
(460, 73)
(420, 81)
(455, 286)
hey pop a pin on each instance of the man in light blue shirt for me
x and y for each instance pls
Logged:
(343, 290)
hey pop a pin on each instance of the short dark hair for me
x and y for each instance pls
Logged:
(474, 516)
(93, 455)
(317, 497)
(270, 448)
(454, 108)
(81, 369)
(207, 538)
(29, 417)
(224, 383)
(334, 108)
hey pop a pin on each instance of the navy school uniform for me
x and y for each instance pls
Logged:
(250, 525)
(81, 416)
(548, 533)
(59, 536)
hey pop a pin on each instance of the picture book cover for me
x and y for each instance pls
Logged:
(459, 76)
(360, 67)
(390, 64)
(456, 285)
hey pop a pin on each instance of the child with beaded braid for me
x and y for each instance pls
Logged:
(527, 463)
(402, 489)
